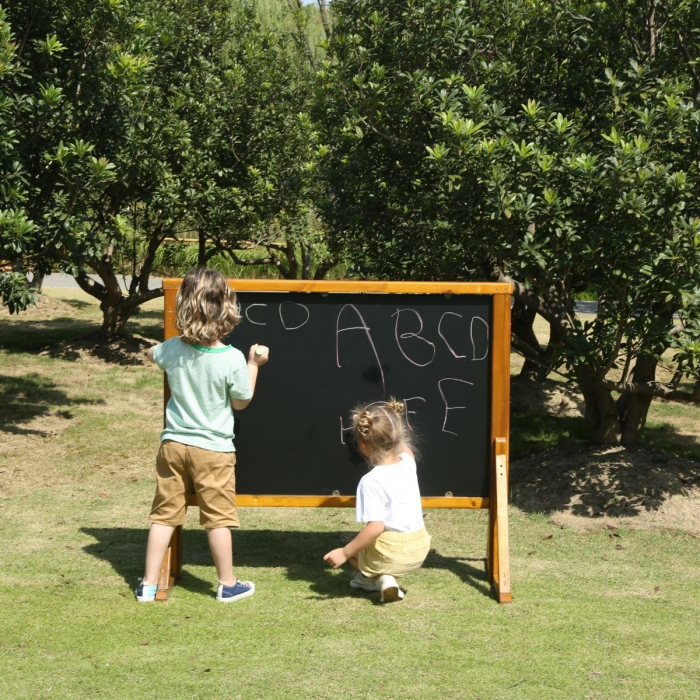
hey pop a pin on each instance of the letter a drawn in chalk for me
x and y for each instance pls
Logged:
(364, 327)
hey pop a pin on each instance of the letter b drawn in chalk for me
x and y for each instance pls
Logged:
(406, 336)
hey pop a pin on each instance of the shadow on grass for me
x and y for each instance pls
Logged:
(532, 433)
(118, 350)
(667, 437)
(79, 304)
(299, 552)
(30, 336)
(23, 399)
(600, 480)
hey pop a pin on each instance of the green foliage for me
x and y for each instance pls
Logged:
(49, 183)
(145, 120)
(531, 142)
(16, 293)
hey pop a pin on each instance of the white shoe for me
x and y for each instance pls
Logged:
(363, 582)
(389, 589)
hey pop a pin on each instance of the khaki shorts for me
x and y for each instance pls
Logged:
(395, 553)
(184, 469)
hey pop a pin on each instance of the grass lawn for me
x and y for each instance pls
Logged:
(606, 614)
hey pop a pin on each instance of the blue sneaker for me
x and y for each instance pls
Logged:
(239, 590)
(146, 593)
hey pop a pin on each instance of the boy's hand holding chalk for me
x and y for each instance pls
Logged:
(258, 355)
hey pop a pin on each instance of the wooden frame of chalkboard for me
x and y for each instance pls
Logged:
(355, 342)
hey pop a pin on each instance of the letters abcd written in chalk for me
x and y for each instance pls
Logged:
(332, 352)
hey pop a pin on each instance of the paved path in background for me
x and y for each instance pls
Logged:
(58, 279)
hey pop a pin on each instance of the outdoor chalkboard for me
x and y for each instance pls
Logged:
(331, 352)
(443, 348)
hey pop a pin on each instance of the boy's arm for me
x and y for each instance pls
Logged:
(149, 353)
(257, 357)
(368, 534)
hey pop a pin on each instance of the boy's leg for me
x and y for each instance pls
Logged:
(169, 504)
(158, 541)
(222, 552)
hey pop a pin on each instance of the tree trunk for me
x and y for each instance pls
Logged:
(622, 420)
(38, 282)
(556, 340)
(522, 320)
(116, 308)
(115, 316)
(602, 417)
(522, 323)
(634, 408)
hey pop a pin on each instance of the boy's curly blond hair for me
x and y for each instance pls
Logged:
(206, 309)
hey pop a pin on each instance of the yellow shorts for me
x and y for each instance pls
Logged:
(395, 553)
(184, 469)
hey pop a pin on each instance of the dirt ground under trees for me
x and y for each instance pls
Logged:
(593, 486)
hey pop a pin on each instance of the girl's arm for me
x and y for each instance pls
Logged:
(369, 533)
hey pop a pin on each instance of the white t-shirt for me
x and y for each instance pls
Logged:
(389, 492)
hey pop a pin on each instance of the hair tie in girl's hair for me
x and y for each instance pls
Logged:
(364, 424)
(396, 406)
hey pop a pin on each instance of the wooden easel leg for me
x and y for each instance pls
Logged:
(171, 568)
(498, 560)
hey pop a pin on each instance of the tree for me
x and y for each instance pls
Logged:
(52, 180)
(188, 118)
(515, 140)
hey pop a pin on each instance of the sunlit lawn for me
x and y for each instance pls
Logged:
(593, 616)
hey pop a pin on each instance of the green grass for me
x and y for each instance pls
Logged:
(176, 258)
(532, 433)
(593, 617)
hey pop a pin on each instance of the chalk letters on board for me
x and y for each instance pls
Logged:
(330, 353)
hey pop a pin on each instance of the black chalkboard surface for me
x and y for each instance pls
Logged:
(330, 352)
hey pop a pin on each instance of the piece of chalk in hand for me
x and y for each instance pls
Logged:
(258, 351)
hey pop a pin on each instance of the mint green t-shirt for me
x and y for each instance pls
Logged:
(202, 383)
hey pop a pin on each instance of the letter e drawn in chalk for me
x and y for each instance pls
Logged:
(449, 408)
(409, 411)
